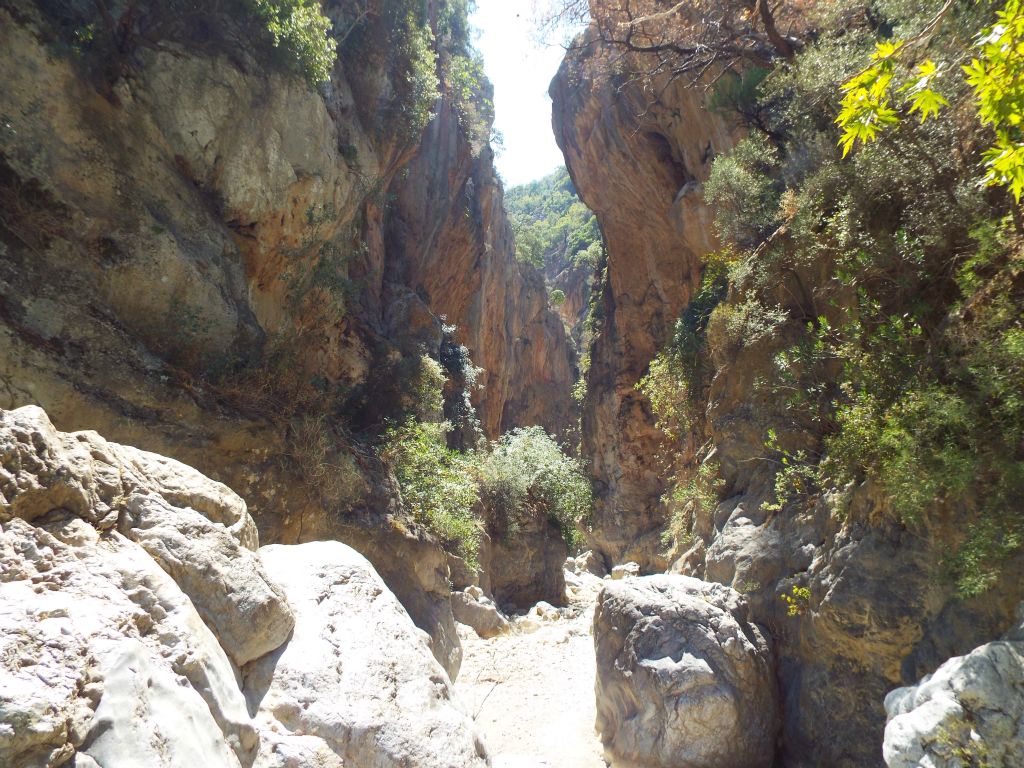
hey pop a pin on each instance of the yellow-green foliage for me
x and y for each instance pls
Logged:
(797, 600)
(698, 495)
(872, 98)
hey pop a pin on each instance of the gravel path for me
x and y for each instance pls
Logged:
(532, 691)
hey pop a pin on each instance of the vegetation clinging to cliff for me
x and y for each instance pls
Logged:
(888, 287)
(458, 494)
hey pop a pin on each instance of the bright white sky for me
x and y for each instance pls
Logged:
(520, 72)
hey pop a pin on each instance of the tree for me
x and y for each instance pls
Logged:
(892, 85)
(691, 38)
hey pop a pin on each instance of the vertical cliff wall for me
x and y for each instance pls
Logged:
(871, 611)
(639, 166)
(204, 256)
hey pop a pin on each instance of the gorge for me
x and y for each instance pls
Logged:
(292, 418)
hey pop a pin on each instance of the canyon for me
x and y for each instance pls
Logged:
(225, 289)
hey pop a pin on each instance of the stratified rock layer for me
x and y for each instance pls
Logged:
(684, 678)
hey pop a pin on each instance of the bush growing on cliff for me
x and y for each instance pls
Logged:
(294, 33)
(901, 307)
(526, 473)
(300, 29)
(438, 485)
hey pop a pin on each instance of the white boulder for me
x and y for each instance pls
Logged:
(357, 681)
(969, 712)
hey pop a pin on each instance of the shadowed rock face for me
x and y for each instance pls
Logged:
(684, 678)
(639, 168)
(197, 210)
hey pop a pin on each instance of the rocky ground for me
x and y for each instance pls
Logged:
(531, 690)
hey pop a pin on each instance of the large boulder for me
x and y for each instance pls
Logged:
(474, 609)
(969, 712)
(356, 684)
(196, 529)
(133, 605)
(102, 655)
(684, 678)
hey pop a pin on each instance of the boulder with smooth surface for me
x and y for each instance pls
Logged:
(356, 683)
(474, 609)
(969, 712)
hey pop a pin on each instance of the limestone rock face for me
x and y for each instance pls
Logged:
(128, 586)
(684, 678)
(639, 168)
(133, 606)
(199, 226)
(969, 712)
(448, 219)
(197, 530)
(356, 683)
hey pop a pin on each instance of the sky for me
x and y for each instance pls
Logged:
(520, 71)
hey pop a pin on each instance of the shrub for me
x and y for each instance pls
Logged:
(437, 484)
(299, 28)
(918, 382)
(421, 83)
(732, 327)
(698, 495)
(526, 473)
(326, 467)
(557, 297)
(743, 188)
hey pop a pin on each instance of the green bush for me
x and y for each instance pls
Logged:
(525, 474)
(745, 192)
(697, 495)
(915, 379)
(300, 29)
(437, 484)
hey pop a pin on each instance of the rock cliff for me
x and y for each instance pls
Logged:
(868, 614)
(639, 167)
(204, 256)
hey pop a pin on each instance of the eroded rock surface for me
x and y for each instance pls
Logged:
(203, 244)
(969, 712)
(684, 678)
(128, 588)
(131, 601)
(356, 683)
(197, 530)
(634, 163)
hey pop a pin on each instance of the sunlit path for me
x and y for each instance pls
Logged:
(532, 690)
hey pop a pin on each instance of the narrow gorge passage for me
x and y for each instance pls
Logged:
(531, 690)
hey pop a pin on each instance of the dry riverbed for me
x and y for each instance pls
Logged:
(531, 691)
